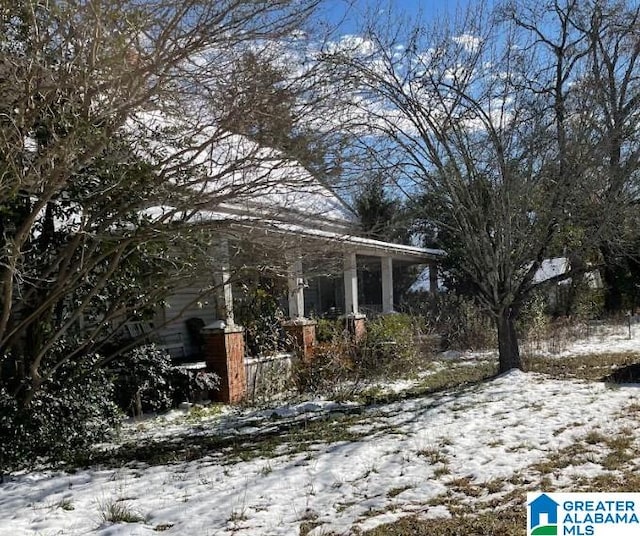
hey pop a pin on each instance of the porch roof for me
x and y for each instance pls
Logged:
(341, 239)
(368, 246)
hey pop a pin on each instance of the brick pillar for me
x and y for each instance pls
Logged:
(356, 326)
(303, 332)
(224, 354)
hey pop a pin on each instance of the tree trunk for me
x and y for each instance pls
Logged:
(611, 280)
(508, 341)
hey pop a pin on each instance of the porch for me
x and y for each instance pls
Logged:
(313, 290)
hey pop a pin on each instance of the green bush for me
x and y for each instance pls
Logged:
(328, 330)
(70, 413)
(391, 345)
(142, 380)
(192, 385)
(145, 380)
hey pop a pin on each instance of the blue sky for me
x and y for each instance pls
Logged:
(349, 12)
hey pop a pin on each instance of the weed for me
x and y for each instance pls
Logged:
(464, 485)
(266, 469)
(441, 470)
(433, 455)
(237, 516)
(65, 504)
(494, 486)
(117, 511)
(198, 413)
(594, 437)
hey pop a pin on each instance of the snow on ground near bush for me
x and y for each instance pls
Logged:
(410, 450)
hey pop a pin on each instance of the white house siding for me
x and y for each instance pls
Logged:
(180, 307)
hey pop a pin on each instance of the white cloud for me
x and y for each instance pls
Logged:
(469, 42)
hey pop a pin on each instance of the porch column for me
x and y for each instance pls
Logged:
(301, 330)
(350, 284)
(224, 355)
(296, 290)
(222, 280)
(223, 340)
(354, 320)
(387, 284)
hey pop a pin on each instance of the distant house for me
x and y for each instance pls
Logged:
(557, 292)
(428, 280)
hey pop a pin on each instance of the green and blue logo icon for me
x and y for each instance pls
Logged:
(543, 516)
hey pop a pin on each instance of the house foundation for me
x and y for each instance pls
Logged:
(224, 355)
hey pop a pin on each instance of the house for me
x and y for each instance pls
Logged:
(553, 277)
(299, 224)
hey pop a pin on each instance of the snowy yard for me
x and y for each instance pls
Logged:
(322, 468)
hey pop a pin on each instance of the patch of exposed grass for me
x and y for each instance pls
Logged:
(620, 451)
(585, 367)
(198, 413)
(285, 439)
(594, 437)
(465, 486)
(237, 516)
(560, 460)
(394, 492)
(633, 409)
(441, 470)
(65, 504)
(614, 482)
(307, 526)
(117, 511)
(494, 486)
(162, 527)
(434, 455)
(508, 522)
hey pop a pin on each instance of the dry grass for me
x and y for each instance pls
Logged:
(582, 367)
(508, 522)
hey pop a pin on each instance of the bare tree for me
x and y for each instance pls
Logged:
(611, 92)
(113, 141)
(485, 122)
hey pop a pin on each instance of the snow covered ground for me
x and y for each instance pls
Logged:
(401, 457)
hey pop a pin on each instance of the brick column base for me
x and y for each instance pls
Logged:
(356, 326)
(224, 354)
(303, 332)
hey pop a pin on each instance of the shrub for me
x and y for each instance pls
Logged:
(142, 380)
(192, 385)
(334, 370)
(341, 367)
(257, 309)
(391, 345)
(329, 329)
(460, 322)
(72, 411)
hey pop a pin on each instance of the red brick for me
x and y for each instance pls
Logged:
(224, 354)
